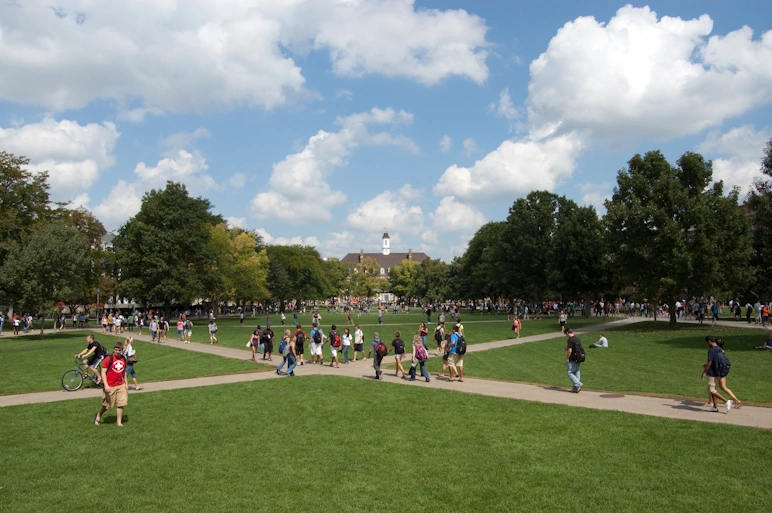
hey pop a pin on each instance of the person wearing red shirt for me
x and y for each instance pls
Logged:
(116, 391)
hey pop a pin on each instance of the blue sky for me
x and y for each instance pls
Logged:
(327, 122)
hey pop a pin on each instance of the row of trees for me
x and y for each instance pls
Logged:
(668, 231)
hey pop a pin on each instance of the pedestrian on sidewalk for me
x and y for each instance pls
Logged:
(359, 342)
(284, 350)
(267, 337)
(399, 352)
(131, 359)
(346, 344)
(292, 357)
(300, 342)
(212, 331)
(254, 343)
(735, 402)
(379, 350)
(711, 370)
(420, 355)
(574, 357)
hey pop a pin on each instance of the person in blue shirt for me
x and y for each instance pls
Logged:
(455, 362)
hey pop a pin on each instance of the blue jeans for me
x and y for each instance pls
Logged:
(574, 374)
(377, 365)
(423, 341)
(278, 369)
(293, 362)
(345, 353)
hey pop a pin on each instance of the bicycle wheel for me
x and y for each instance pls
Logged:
(72, 380)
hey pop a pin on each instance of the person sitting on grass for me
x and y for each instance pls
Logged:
(767, 343)
(602, 341)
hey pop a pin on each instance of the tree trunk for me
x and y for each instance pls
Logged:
(673, 313)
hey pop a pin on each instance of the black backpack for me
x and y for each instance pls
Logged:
(438, 334)
(317, 337)
(461, 345)
(722, 365)
(300, 338)
(577, 351)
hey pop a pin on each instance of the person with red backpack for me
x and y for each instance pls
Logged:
(335, 345)
(379, 350)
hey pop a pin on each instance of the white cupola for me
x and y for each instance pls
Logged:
(385, 247)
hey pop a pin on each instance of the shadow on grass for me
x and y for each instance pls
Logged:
(691, 336)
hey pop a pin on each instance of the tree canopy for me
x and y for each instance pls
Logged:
(666, 227)
(162, 253)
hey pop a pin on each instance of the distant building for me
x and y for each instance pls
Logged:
(386, 260)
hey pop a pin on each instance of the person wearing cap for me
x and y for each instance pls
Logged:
(267, 337)
(376, 359)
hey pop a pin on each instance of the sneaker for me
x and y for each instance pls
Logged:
(729, 404)
(712, 409)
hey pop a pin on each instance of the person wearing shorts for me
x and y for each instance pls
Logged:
(92, 356)
(317, 345)
(709, 369)
(116, 391)
(455, 360)
(399, 351)
(359, 343)
(300, 338)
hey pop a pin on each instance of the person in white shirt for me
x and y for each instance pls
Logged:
(602, 341)
(359, 343)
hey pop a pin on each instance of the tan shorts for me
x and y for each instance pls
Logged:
(712, 382)
(118, 396)
(453, 360)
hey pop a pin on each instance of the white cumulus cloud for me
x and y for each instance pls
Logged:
(640, 76)
(515, 167)
(454, 216)
(737, 155)
(446, 143)
(73, 154)
(390, 210)
(307, 170)
(201, 54)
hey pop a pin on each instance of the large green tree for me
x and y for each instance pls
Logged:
(24, 202)
(305, 270)
(578, 263)
(484, 263)
(48, 269)
(432, 280)
(403, 278)
(162, 253)
(759, 201)
(673, 230)
(240, 269)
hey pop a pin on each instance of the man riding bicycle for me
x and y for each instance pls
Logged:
(92, 357)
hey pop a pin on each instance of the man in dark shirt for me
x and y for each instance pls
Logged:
(92, 356)
(267, 337)
(573, 348)
(710, 369)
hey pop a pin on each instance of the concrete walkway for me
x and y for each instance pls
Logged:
(683, 409)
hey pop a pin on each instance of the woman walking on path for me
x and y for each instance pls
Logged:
(423, 332)
(254, 342)
(292, 357)
(131, 358)
(359, 343)
(346, 343)
(212, 332)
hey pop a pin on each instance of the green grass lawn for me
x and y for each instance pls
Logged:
(644, 357)
(29, 364)
(334, 444)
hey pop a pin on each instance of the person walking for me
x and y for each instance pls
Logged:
(346, 344)
(300, 342)
(266, 338)
(455, 358)
(379, 351)
(423, 332)
(115, 393)
(254, 343)
(420, 355)
(359, 343)
(724, 369)
(131, 358)
(335, 345)
(285, 350)
(710, 369)
(439, 337)
(574, 357)
(399, 352)
(212, 331)
(292, 357)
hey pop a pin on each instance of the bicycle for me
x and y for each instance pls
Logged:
(73, 379)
